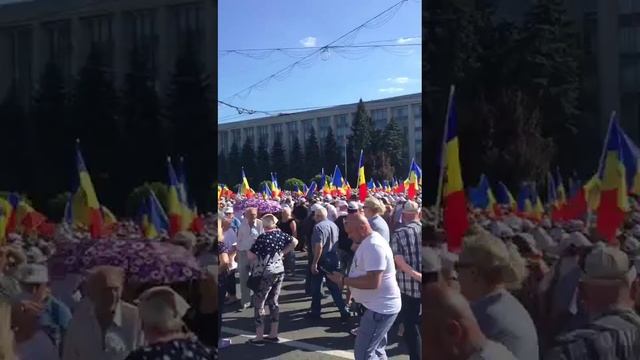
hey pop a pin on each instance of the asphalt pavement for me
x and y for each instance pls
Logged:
(300, 338)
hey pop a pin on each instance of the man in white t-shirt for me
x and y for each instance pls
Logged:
(250, 229)
(372, 281)
(230, 240)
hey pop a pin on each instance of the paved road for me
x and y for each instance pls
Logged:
(301, 338)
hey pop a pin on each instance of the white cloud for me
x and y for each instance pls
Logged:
(309, 41)
(406, 40)
(391, 90)
(399, 80)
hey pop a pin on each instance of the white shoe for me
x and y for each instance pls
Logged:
(223, 343)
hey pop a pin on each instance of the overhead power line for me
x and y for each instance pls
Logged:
(299, 52)
(286, 70)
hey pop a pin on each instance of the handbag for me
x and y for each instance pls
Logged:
(253, 282)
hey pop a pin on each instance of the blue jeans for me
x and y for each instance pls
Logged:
(372, 336)
(316, 294)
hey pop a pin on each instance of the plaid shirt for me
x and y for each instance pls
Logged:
(406, 242)
(614, 335)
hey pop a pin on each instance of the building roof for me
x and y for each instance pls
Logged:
(313, 113)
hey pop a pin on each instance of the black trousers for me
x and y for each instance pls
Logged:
(411, 321)
(231, 283)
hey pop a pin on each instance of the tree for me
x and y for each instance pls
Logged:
(248, 160)
(551, 72)
(54, 145)
(95, 124)
(17, 174)
(330, 151)
(311, 153)
(261, 186)
(263, 167)
(296, 159)
(278, 160)
(292, 183)
(191, 119)
(392, 145)
(234, 163)
(146, 139)
(362, 132)
(223, 175)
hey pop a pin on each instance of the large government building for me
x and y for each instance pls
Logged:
(37, 31)
(406, 110)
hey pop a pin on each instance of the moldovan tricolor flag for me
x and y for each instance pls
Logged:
(614, 202)
(245, 189)
(85, 207)
(362, 183)
(455, 203)
(414, 175)
(175, 209)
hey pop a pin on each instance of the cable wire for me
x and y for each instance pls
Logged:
(348, 37)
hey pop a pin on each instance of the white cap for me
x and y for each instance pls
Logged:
(606, 263)
(315, 207)
(228, 210)
(32, 274)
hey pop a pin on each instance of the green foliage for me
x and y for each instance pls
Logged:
(361, 138)
(248, 161)
(330, 151)
(134, 201)
(18, 171)
(296, 159)
(312, 159)
(234, 167)
(290, 184)
(261, 186)
(263, 166)
(318, 180)
(57, 205)
(278, 159)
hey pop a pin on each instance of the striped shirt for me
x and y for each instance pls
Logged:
(406, 242)
(613, 335)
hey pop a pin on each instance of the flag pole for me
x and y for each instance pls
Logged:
(443, 155)
(600, 163)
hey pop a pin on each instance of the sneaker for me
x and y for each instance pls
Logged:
(256, 342)
(354, 332)
(223, 343)
(271, 339)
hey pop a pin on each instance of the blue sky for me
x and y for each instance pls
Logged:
(326, 81)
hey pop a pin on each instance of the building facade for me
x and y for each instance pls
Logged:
(406, 110)
(35, 32)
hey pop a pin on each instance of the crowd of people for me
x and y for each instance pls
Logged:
(367, 254)
(530, 290)
(105, 308)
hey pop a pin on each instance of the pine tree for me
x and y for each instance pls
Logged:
(296, 160)
(145, 138)
(278, 160)
(248, 161)
(263, 165)
(192, 122)
(312, 154)
(393, 145)
(16, 175)
(54, 145)
(234, 168)
(331, 152)
(223, 174)
(94, 122)
(362, 132)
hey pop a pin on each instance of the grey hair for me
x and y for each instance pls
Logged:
(155, 312)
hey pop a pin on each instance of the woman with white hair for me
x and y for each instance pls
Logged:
(267, 254)
(161, 311)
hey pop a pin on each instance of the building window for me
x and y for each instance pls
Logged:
(235, 133)
(143, 32)
(292, 132)
(307, 125)
(248, 134)
(401, 116)
(189, 25)
(224, 141)
(21, 45)
(58, 47)
(101, 36)
(324, 123)
(277, 130)
(379, 117)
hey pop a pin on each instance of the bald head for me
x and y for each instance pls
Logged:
(357, 227)
(452, 331)
(104, 287)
